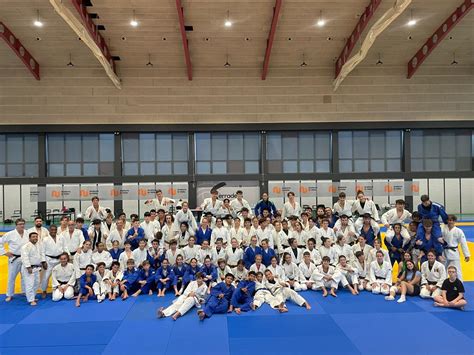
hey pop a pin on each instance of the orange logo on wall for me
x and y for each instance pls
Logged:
(115, 192)
(332, 189)
(388, 188)
(142, 192)
(84, 193)
(276, 190)
(304, 189)
(415, 188)
(172, 191)
(56, 194)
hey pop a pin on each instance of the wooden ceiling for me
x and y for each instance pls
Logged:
(244, 43)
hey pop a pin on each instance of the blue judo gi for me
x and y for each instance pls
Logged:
(149, 277)
(267, 256)
(397, 242)
(131, 277)
(241, 299)
(140, 236)
(209, 271)
(84, 281)
(369, 236)
(249, 256)
(433, 212)
(163, 273)
(190, 274)
(115, 254)
(427, 245)
(202, 235)
(179, 272)
(214, 304)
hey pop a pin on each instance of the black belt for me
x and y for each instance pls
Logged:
(15, 257)
(63, 282)
(73, 253)
(54, 257)
(431, 283)
(451, 248)
(35, 266)
(380, 278)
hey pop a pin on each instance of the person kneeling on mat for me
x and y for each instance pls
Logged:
(64, 279)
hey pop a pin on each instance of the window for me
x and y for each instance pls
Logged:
(155, 154)
(370, 151)
(227, 153)
(436, 150)
(80, 154)
(18, 155)
(299, 152)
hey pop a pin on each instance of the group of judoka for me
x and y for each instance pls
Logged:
(237, 258)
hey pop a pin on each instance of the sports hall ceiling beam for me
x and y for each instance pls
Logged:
(184, 38)
(355, 35)
(271, 37)
(376, 30)
(435, 39)
(22, 53)
(86, 29)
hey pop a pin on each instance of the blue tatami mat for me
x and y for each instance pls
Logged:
(343, 325)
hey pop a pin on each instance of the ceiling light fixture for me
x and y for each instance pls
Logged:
(38, 22)
(321, 22)
(379, 62)
(228, 22)
(303, 65)
(70, 64)
(227, 64)
(149, 64)
(412, 21)
(134, 22)
(454, 62)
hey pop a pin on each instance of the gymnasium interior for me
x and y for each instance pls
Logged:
(121, 98)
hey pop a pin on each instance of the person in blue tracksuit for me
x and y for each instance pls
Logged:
(85, 285)
(164, 277)
(265, 203)
(129, 283)
(426, 241)
(396, 244)
(252, 250)
(204, 232)
(433, 211)
(267, 253)
(115, 251)
(191, 271)
(179, 271)
(209, 271)
(146, 279)
(219, 300)
(135, 234)
(242, 298)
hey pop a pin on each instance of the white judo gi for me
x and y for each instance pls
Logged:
(319, 274)
(63, 276)
(52, 250)
(453, 238)
(15, 242)
(32, 255)
(380, 275)
(391, 217)
(432, 276)
(185, 302)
